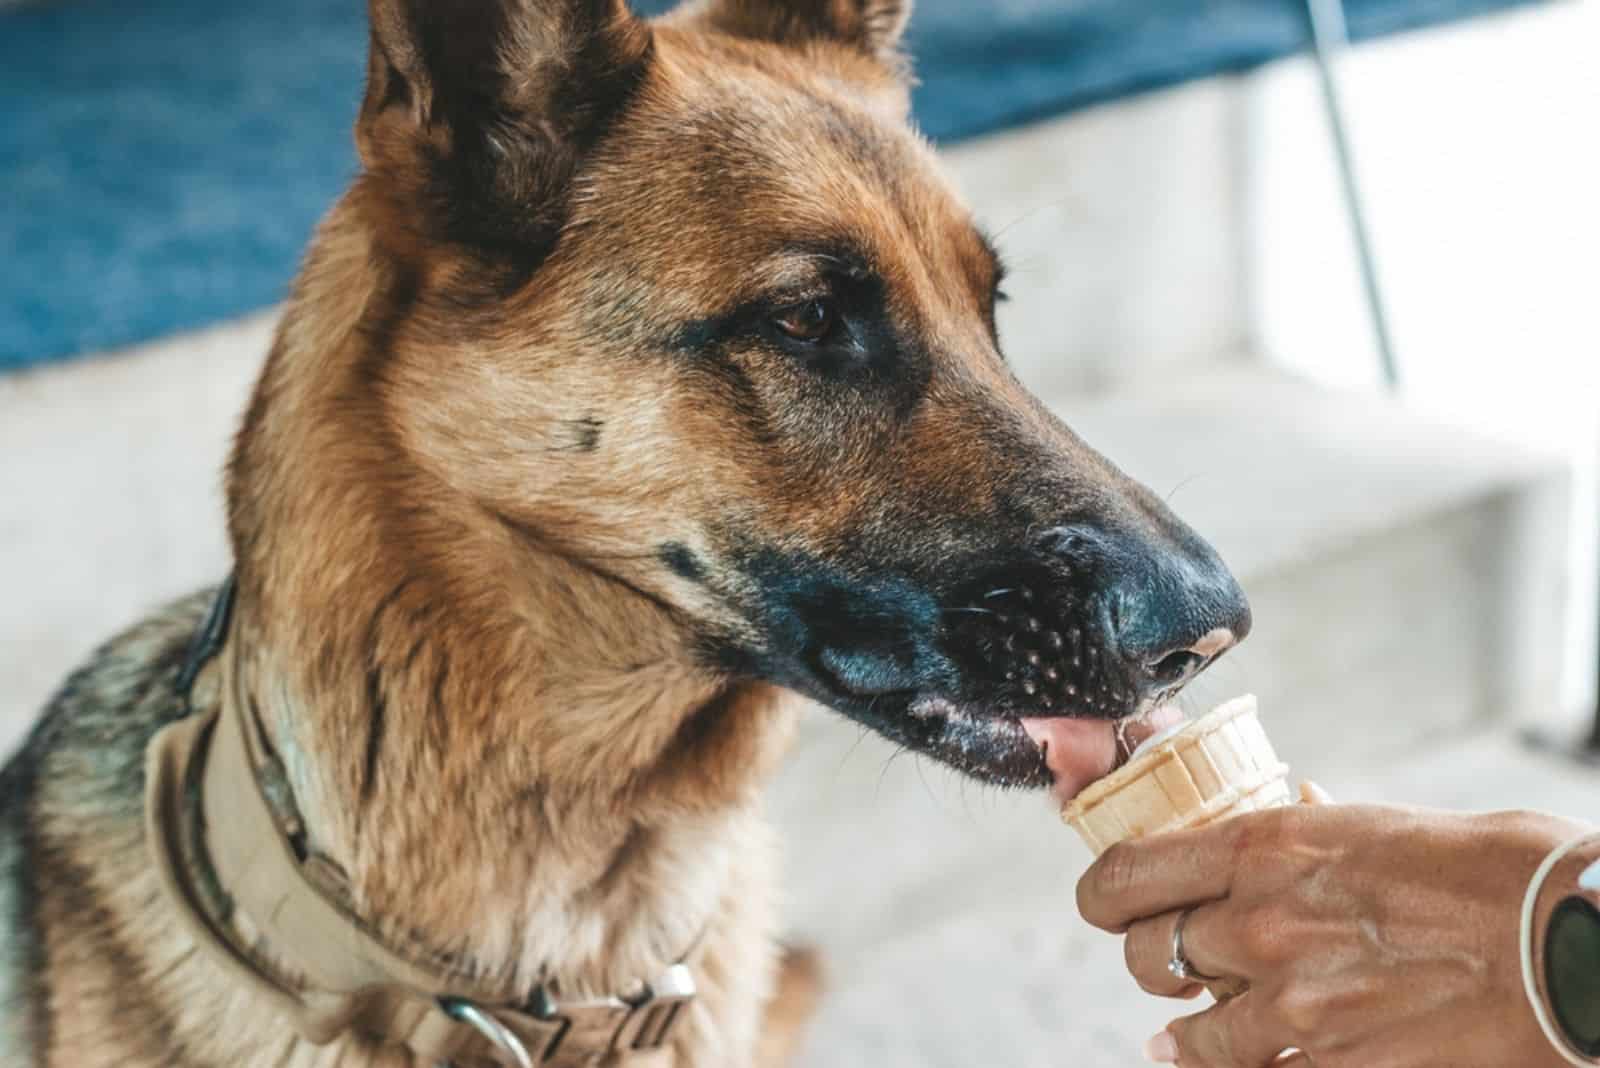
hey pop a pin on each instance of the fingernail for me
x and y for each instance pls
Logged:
(1312, 794)
(1162, 1049)
(1590, 879)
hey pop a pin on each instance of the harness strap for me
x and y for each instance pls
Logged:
(335, 976)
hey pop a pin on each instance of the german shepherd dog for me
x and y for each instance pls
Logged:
(643, 388)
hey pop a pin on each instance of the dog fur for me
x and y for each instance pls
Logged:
(509, 508)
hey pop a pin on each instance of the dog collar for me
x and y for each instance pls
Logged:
(231, 870)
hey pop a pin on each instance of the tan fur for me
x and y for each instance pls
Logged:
(795, 995)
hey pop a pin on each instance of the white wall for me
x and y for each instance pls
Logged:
(1121, 227)
(1478, 148)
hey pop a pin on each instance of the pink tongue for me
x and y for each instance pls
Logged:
(1078, 751)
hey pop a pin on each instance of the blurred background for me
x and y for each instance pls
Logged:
(1326, 275)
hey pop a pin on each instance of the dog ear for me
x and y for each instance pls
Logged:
(873, 26)
(477, 111)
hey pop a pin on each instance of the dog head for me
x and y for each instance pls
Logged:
(690, 303)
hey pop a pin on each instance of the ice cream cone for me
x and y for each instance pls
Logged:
(1205, 770)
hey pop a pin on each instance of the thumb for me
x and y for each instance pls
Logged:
(1312, 794)
(1238, 1032)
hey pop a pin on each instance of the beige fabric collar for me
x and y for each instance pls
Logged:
(208, 819)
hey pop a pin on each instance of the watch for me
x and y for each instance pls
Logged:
(1561, 949)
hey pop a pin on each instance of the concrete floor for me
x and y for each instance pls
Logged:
(946, 910)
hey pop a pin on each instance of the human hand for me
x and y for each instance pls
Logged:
(1370, 936)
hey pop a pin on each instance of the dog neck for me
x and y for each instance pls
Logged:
(515, 759)
(528, 806)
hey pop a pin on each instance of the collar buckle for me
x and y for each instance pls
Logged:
(654, 1016)
(498, 1035)
(585, 1032)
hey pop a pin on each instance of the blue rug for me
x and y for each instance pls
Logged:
(163, 161)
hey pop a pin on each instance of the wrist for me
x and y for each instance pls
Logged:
(1560, 948)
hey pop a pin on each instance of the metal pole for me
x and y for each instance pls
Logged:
(1590, 747)
(1593, 743)
(1329, 37)
(1587, 750)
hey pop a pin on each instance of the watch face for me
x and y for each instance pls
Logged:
(1572, 973)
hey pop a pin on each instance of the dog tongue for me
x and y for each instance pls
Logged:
(1079, 751)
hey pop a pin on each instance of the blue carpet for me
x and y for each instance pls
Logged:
(163, 161)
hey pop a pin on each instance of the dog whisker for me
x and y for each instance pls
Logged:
(861, 735)
(1029, 214)
(883, 772)
(1174, 491)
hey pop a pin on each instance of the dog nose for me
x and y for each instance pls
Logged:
(1171, 606)
(1173, 670)
(1171, 616)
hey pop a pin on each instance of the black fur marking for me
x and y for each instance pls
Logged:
(997, 264)
(440, 722)
(413, 652)
(153, 1034)
(681, 561)
(944, 658)
(871, 649)
(698, 335)
(702, 723)
(17, 821)
(536, 538)
(828, 632)
(736, 388)
(149, 681)
(583, 434)
(377, 707)
(379, 326)
(28, 906)
(376, 720)
(997, 277)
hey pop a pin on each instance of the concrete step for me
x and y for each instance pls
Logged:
(1123, 230)
(111, 497)
(1408, 577)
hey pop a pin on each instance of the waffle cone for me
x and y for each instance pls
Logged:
(1217, 766)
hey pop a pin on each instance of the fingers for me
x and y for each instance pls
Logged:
(1148, 951)
(1151, 876)
(1251, 854)
(1237, 1033)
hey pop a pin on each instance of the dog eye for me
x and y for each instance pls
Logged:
(810, 320)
